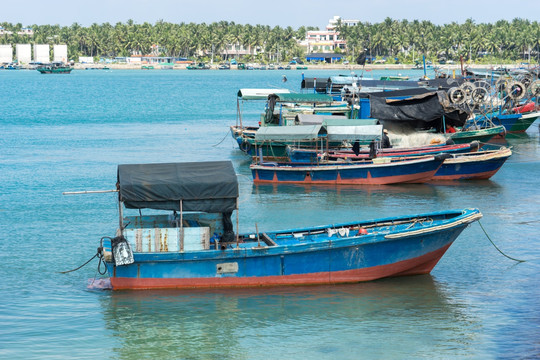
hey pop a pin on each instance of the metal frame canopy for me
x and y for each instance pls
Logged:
(193, 186)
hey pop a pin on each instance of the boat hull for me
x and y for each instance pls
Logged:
(477, 166)
(481, 135)
(411, 171)
(342, 260)
(513, 123)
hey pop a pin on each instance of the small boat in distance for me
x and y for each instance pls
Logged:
(195, 245)
(198, 66)
(54, 68)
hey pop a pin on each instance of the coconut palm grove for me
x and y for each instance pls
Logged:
(398, 41)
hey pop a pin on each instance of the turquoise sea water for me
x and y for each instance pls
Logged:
(69, 132)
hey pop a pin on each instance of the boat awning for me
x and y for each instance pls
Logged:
(200, 186)
(259, 94)
(289, 133)
(301, 98)
(352, 133)
(314, 119)
(336, 121)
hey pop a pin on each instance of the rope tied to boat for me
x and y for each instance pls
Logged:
(226, 134)
(492, 243)
(99, 255)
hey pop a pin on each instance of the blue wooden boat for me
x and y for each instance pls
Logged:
(477, 165)
(175, 251)
(513, 123)
(378, 171)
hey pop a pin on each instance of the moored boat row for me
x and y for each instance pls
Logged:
(189, 240)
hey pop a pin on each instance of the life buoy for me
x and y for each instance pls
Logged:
(245, 146)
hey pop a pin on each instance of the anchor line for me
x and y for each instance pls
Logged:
(99, 255)
(226, 134)
(492, 243)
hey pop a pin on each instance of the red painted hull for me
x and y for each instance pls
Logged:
(409, 178)
(478, 176)
(415, 266)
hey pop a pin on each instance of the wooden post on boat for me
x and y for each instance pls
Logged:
(238, 112)
(121, 215)
(237, 231)
(258, 238)
(181, 228)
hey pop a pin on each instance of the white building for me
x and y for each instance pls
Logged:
(3, 31)
(332, 23)
(86, 59)
(26, 31)
(6, 54)
(41, 53)
(327, 40)
(23, 53)
(60, 53)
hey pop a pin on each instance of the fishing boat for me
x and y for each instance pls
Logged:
(513, 123)
(272, 142)
(473, 166)
(394, 78)
(378, 171)
(198, 66)
(54, 68)
(194, 245)
(482, 135)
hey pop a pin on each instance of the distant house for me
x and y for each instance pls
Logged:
(148, 59)
(3, 31)
(324, 57)
(26, 31)
(329, 39)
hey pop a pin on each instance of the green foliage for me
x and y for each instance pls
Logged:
(502, 41)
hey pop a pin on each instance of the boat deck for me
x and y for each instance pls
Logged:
(158, 236)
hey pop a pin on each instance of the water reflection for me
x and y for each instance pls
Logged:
(412, 189)
(331, 321)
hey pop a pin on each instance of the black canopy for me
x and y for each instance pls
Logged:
(201, 186)
(416, 108)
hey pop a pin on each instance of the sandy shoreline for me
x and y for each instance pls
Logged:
(293, 67)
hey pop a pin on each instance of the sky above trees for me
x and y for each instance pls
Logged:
(276, 12)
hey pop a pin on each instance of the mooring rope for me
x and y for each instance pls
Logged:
(492, 243)
(226, 134)
(68, 271)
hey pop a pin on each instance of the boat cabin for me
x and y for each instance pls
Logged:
(192, 203)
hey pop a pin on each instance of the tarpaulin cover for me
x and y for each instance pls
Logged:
(201, 186)
(314, 119)
(301, 98)
(419, 111)
(288, 133)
